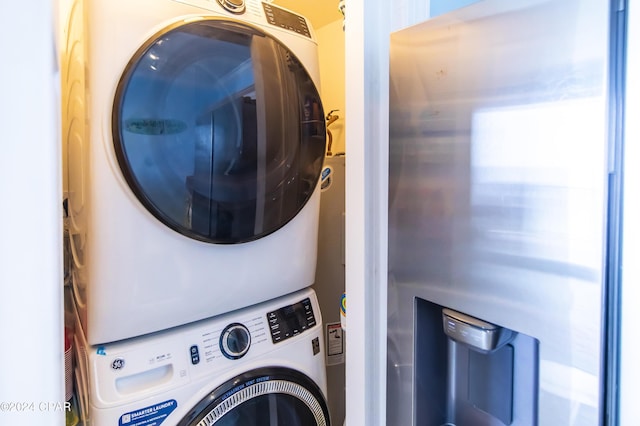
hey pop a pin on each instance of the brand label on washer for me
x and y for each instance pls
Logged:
(152, 415)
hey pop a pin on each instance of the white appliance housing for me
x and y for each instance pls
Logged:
(167, 105)
(195, 375)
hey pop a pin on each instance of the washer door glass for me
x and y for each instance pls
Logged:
(219, 131)
(262, 397)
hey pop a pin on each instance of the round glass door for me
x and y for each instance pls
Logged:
(219, 131)
(263, 397)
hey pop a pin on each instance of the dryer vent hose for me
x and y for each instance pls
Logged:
(330, 119)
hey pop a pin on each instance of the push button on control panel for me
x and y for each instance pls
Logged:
(195, 354)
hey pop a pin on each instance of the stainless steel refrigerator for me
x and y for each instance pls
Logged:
(504, 215)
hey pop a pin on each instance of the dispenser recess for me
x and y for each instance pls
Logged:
(470, 372)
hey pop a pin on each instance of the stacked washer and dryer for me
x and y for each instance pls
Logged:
(195, 138)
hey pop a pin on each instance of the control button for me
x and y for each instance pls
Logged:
(235, 341)
(195, 354)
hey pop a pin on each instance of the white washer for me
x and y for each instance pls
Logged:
(195, 137)
(262, 365)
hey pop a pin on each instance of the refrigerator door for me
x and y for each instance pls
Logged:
(497, 191)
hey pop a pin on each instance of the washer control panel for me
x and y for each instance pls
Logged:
(228, 338)
(175, 357)
(291, 320)
(285, 19)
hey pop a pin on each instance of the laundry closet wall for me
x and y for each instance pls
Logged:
(31, 360)
(61, 14)
(331, 57)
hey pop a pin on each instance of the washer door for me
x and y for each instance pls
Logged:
(219, 130)
(262, 397)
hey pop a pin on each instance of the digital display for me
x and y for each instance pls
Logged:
(291, 320)
(285, 19)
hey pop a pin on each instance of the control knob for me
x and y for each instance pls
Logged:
(235, 341)
(233, 6)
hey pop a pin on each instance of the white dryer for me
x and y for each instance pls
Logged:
(259, 366)
(195, 137)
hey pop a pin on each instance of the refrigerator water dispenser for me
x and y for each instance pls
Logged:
(469, 372)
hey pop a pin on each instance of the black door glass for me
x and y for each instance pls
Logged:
(219, 131)
(269, 410)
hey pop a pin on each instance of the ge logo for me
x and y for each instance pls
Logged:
(117, 364)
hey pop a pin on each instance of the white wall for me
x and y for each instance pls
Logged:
(31, 320)
(332, 76)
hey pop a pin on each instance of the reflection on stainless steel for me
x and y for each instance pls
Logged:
(498, 168)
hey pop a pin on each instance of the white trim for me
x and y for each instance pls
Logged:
(630, 344)
(366, 82)
(355, 244)
(367, 31)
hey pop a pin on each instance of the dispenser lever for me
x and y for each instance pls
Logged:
(473, 332)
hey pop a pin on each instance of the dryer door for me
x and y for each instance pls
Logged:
(262, 397)
(219, 130)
